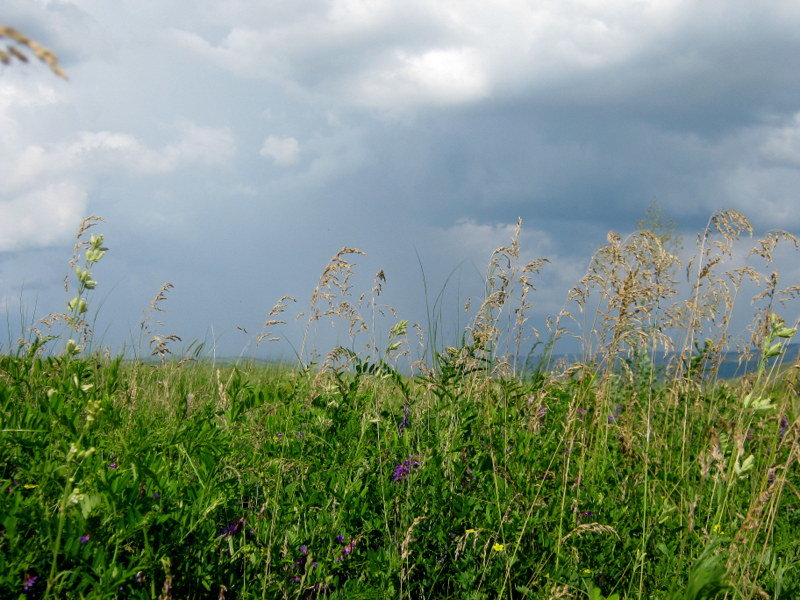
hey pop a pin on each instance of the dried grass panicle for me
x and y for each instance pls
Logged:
(26, 43)
(712, 296)
(280, 307)
(331, 297)
(408, 540)
(506, 279)
(159, 344)
(585, 528)
(334, 284)
(631, 278)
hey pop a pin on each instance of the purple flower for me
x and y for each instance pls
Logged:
(84, 538)
(113, 465)
(613, 417)
(29, 582)
(303, 549)
(406, 417)
(346, 550)
(784, 427)
(340, 538)
(231, 528)
(139, 577)
(402, 470)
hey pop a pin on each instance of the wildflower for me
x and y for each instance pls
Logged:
(587, 571)
(29, 486)
(717, 528)
(84, 538)
(499, 547)
(231, 528)
(784, 427)
(303, 549)
(404, 468)
(340, 538)
(406, 418)
(113, 465)
(29, 582)
(615, 416)
(348, 548)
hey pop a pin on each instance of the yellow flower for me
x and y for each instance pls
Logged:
(499, 547)
(717, 528)
(30, 486)
(587, 571)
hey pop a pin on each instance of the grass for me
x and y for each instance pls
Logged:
(469, 477)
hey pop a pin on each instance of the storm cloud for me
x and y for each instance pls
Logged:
(234, 147)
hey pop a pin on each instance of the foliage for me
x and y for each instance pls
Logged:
(352, 479)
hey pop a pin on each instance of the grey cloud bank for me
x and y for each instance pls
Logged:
(234, 147)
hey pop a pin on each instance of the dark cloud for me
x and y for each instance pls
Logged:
(416, 132)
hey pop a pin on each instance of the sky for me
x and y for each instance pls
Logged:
(234, 147)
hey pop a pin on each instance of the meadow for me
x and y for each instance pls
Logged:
(456, 472)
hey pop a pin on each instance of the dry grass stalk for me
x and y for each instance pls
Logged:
(585, 528)
(271, 321)
(159, 344)
(405, 553)
(772, 294)
(505, 277)
(712, 296)
(331, 297)
(632, 277)
(25, 43)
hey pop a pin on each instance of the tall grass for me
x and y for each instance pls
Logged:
(469, 476)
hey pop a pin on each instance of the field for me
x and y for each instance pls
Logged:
(459, 474)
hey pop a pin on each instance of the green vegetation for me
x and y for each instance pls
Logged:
(471, 478)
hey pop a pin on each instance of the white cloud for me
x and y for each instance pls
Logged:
(782, 145)
(42, 217)
(398, 55)
(466, 237)
(44, 187)
(447, 76)
(284, 151)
